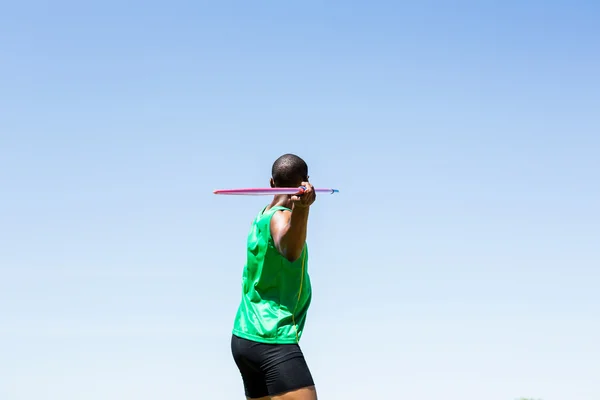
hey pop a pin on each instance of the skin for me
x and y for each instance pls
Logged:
(288, 230)
(308, 393)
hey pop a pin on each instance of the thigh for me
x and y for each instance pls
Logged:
(276, 370)
(288, 376)
(308, 393)
(246, 355)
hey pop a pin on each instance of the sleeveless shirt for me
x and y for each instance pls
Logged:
(276, 293)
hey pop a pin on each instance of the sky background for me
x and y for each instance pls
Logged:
(460, 259)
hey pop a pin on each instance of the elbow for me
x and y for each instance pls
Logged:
(293, 257)
(292, 254)
(291, 250)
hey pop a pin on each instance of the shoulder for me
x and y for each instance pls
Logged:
(280, 217)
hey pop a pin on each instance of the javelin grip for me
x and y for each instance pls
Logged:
(302, 189)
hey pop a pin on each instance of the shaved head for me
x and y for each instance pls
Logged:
(289, 170)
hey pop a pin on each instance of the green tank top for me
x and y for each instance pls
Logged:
(276, 293)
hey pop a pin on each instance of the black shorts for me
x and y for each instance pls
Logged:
(270, 369)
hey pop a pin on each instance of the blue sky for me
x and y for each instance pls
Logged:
(459, 261)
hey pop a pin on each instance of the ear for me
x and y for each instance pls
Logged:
(272, 182)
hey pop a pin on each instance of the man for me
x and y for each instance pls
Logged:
(276, 293)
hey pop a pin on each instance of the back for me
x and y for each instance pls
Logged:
(276, 293)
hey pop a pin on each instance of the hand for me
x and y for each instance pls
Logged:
(306, 198)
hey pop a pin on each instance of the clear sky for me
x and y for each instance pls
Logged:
(460, 259)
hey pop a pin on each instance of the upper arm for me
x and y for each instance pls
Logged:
(288, 230)
(280, 223)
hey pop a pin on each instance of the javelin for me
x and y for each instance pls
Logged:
(269, 191)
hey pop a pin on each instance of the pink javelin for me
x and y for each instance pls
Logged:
(269, 191)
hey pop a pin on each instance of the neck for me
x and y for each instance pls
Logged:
(281, 200)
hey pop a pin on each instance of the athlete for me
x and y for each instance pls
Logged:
(276, 293)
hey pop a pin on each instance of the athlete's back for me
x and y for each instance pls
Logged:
(276, 292)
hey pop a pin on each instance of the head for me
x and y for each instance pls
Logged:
(289, 170)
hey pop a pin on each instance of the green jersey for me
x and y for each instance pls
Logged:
(276, 293)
